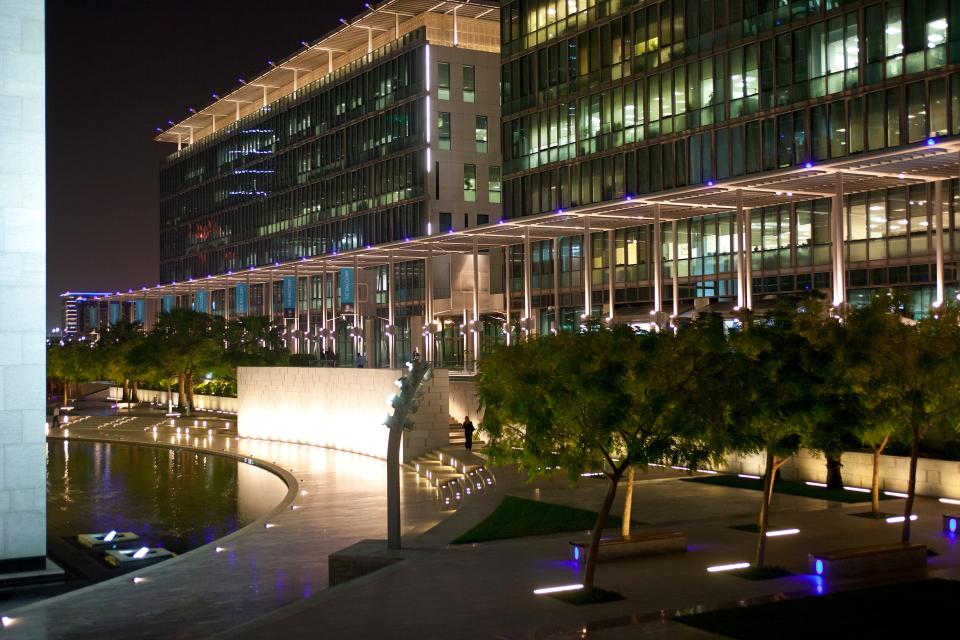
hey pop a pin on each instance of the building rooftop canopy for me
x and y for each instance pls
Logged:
(354, 38)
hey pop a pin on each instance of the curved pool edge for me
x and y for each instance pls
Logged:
(285, 476)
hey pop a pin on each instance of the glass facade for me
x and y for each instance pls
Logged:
(604, 99)
(336, 166)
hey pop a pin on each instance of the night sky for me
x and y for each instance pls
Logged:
(116, 69)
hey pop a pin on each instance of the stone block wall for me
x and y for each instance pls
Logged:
(340, 408)
(213, 403)
(935, 478)
(463, 400)
(22, 286)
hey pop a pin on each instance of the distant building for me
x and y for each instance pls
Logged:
(81, 313)
(656, 160)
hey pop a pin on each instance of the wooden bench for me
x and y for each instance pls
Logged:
(633, 546)
(860, 562)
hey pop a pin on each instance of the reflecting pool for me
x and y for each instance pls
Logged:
(171, 498)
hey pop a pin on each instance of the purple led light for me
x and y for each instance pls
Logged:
(931, 142)
(808, 165)
(709, 183)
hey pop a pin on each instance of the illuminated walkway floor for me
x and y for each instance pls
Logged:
(485, 590)
(258, 570)
(443, 591)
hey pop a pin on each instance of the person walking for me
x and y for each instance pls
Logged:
(468, 430)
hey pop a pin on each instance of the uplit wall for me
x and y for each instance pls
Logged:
(22, 283)
(340, 408)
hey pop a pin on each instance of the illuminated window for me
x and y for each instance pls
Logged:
(469, 83)
(493, 184)
(481, 134)
(470, 183)
(443, 130)
(443, 80)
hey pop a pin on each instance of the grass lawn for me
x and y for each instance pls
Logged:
(518, 517)
(912, 609)
(788, 487)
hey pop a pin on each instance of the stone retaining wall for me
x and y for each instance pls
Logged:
(213, 403)
(935, 478)
(340, 408)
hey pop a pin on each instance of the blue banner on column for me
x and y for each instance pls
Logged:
(200, 301)
(166, 304)
(289, 293)
(346, 286)
(241, 306)
(139, 311)
(114, 313)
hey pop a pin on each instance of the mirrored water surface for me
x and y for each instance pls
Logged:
(176, 499)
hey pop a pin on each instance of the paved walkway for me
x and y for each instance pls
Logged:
(485, 590)
(271, 581)
(339, 500)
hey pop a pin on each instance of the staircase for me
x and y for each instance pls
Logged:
(454, 473)
(457, 438)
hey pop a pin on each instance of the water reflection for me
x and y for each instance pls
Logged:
(176, 499)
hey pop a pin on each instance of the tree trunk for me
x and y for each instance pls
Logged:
(393, 489)
(181, 399)
(768, 478)
(875, 483)
(134, 397)
(911, 484)
(834, 476)
(598, 529)
(628, 501)
(66, 393)
(125, 396)
(191, 404)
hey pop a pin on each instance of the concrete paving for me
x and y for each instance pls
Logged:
(272, 581)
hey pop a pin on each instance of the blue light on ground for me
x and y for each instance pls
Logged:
(819, 567)
(952, 525)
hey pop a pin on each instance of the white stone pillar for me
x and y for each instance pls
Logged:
(323, 309)
(357, 332)
(748, 256)
(508, 270)
(22, 305)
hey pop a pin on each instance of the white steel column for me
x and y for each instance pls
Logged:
(839, 261)
(938, 239)
(356, 310)
(741, 289)
(612, 271)
(674, 268)
(657, 264)
(527, 284)
(507, 295)
(268, 294)
(476, 304)
(556, 284)
(323, 308)
(391, 329)
(587, 270)
(748, 257)
(428, 306)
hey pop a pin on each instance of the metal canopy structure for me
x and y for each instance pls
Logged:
(931, 161)
(332, 51)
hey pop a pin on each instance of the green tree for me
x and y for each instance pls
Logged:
(114, 348)
(914, 384)
(775, 374)
(71, 363)
(188, 342)
(605, 399)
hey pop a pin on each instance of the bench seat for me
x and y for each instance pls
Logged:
(633, 546)
(862, 562)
